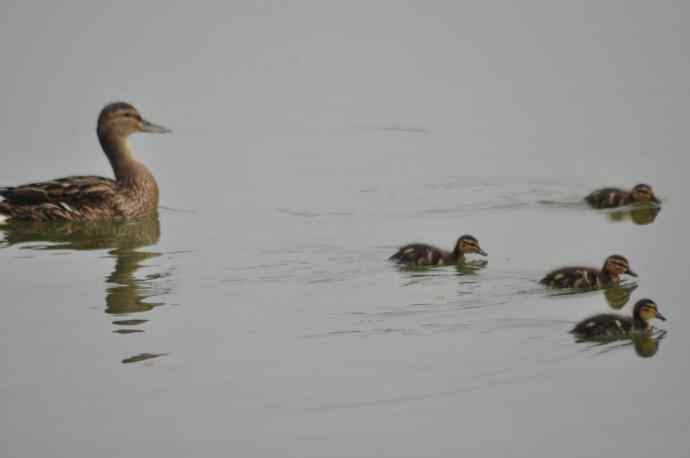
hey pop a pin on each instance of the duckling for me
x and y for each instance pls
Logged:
(589, 277)
(614, 325)
(615, 197)
(419, 254)
(133, 192)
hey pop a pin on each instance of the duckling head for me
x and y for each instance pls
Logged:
(617, 265)
(121, 120)
(643, 193)
(468, 244)
(646, 310)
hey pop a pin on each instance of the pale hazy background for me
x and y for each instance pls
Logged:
(310, 139)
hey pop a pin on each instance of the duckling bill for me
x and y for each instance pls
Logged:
(133, 192)
(615, 325)
(423, 255)
(616, 197)
(589, 277)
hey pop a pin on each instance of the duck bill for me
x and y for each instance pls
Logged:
(482, 252)
(655, 199)
(631, 273)
(151, 128)
(660, 316)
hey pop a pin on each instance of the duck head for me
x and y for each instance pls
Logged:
(643, 193)
(646, 310)
(468, 244)
(617, 265)
(120, 119)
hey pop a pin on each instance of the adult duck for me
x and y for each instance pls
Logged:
(133, 192)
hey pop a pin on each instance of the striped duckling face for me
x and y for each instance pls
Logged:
(646, 310)
(617, 265)
(468, 244)
(643, 193)
(122, 119)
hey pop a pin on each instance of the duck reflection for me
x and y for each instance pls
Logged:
(618, 296)
(126, 292)
(471, 267)
(645, 344)
(142, 357)
(640, 215)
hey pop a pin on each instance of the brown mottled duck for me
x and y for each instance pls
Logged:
(422, 255)
(589, 277)
(615, 197)
(614, 325)
(133, 192)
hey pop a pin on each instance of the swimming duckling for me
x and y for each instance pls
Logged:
(419, 254)
(134, 192)
(589, 277)
(614, 325)
(615, 197)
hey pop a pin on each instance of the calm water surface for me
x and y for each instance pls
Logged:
(257, 315)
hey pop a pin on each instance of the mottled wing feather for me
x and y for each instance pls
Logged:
(571, 277)
(69, 198)
(74, 191)
(607, 198)
(605, 324)
(419, 254)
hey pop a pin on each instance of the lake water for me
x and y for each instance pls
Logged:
(257, 315)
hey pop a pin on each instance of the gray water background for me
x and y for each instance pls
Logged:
(258, 316)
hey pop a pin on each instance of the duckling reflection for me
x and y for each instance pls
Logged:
(646, 344)
(125, 293)
(638, 215)
(142, 357)
(618, 296)
(471, 267)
